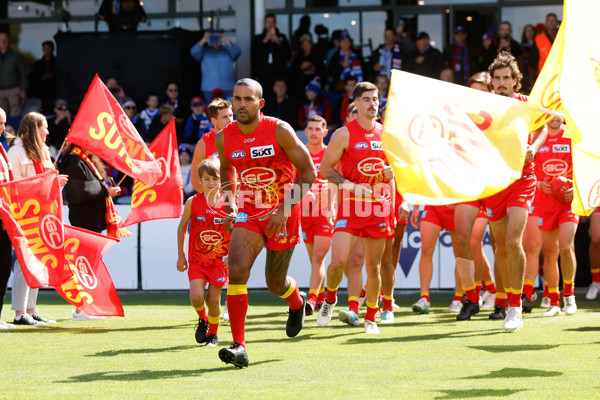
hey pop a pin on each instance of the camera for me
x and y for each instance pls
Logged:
(214, 39)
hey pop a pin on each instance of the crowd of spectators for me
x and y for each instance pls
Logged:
(301, 77)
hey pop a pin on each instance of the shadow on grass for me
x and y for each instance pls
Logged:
(584, 329)
(111, 353)
(59, 329)
(477, 393)
(307, 336)
(517, 373)
(510, 348)
(434, 336)
(145, 375)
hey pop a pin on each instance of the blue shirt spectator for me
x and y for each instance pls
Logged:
(216, 55)
(198, 123)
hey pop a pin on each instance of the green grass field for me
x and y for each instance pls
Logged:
(151, 353)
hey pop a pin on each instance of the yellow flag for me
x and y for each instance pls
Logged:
(580, 94)
(546, 91)
(448, 143)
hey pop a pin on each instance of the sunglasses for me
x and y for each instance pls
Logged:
(61, 108)
(130, 108)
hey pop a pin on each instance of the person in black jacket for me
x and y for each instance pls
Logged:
(270, 55)
(426, 61)
(85, 192)
(42, 79)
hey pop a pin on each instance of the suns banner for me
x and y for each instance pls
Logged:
(89, 287)
(32, 214)
(448, 143)
(102, 127)
(164, 199)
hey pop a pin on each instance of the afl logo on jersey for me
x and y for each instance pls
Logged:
(317, 166)
(555, 167)
(238, 154)
(361, 146)
(544, 149)
(210, 237)
(376, 145)
(371, 166)
(257, 177)
(262, 151)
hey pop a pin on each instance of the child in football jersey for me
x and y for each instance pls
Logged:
(207, 250)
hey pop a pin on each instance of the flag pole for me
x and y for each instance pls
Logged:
(552, 112)
(58, 154)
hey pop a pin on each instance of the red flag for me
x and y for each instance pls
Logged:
(90, 287)
(164, 199)
(102, 127)
(32, 214)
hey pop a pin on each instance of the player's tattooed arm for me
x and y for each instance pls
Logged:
(333, 154)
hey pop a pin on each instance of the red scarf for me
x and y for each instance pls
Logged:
(114, 223)
(6, 174)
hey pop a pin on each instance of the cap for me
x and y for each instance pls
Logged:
(197, 101)
(314, 85)
(128, 102)
(460, 28)
(489, 35)
(217, 93)
(186, 147)
(345, 35)
(61, 103)
(304, 37)
(422, 35)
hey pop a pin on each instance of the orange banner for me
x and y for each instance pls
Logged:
(90, 287)
(32, 214)
(102, 127)
(164, 199)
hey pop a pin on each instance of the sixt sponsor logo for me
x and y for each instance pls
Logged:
(561, 148)
(219, 221)
(238, 154)
(262, 151)
(376, 145)
(361, 146)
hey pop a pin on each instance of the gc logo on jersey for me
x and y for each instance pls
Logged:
(361, 146)
(258, 177)
(555, 167)
(210, 237)
(561, 148)
(238, 154)
(262, 151)
(371, 166)
(376, 145)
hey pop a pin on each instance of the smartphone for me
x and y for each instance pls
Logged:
(214, 39)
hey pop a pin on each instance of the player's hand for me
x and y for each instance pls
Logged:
(414, 219)
(230, 221)
(114, 191)
(276, 225)
(403, 211)
(63, 179)
(530, 154)
(226, 262)
(363, 191)
(182, 264)
(568, 192)
(388, 172)
(546, 186)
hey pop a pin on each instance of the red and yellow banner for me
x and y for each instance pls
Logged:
(90, 287)
(164, 199)
(102, 127)
(32, 214)
(448, 143)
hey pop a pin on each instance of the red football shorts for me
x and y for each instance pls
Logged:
(439, 215)
(251, 220)
(519, 194)
(552, 213)
(360, 219)
(215, 275)
(315, 226)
